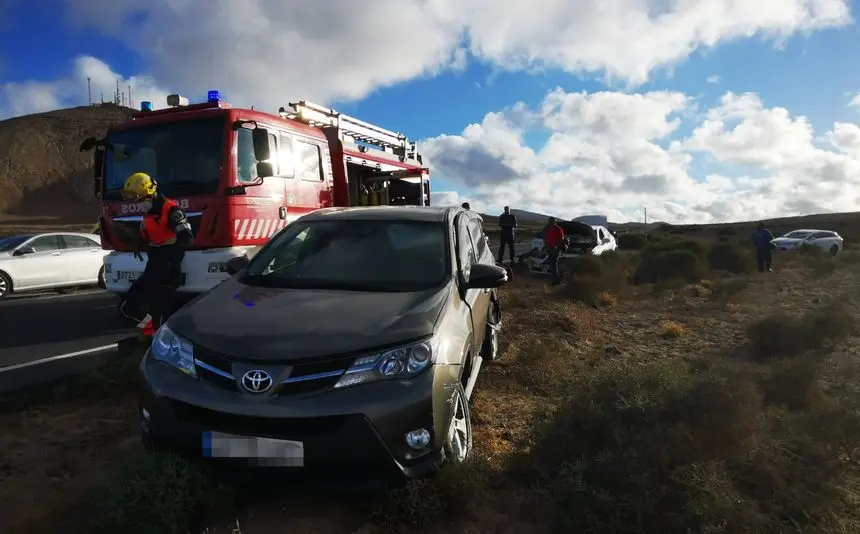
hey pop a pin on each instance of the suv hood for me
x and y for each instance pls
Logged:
(291, 324)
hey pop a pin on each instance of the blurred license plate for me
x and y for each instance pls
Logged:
(263, 451)
(127, 275)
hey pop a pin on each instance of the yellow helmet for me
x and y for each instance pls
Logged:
(138, 186)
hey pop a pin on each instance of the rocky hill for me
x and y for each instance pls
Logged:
(42, 172)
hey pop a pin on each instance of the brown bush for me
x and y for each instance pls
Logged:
(589, 276)
(730, 257)
(673, 447)
(632, 241)
(663, 266)
(781, 335)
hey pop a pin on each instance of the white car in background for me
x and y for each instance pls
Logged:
(55, 260)
(826, 239)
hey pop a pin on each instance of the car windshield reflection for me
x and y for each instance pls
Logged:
(354, 255)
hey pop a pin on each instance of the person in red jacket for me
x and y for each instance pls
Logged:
(553, 239)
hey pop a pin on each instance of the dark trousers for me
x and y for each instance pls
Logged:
(553, 265)
(763, 259)
(507, 239)
(155, 290)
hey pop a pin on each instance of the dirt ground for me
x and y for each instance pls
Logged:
(51, 456)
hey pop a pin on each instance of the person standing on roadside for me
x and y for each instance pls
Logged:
(508, 224)
(553, 239)
(763, 248)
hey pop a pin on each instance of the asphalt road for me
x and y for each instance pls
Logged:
(44, 326)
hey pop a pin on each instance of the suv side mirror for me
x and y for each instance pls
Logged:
(234, 265)
(484, 276)
(24, 250)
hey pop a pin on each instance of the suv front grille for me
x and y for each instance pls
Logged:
(305, 377)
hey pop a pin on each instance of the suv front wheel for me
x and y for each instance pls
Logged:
(458, 443)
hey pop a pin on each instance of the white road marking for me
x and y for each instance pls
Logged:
(29, 298)
(93, 350)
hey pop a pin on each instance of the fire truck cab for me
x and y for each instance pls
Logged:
(242, 175)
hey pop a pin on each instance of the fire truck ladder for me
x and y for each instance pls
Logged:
(353, 130)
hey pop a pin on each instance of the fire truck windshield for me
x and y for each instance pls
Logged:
(184, 157)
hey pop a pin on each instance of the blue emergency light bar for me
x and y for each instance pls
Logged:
(213, 96)
(146, 105)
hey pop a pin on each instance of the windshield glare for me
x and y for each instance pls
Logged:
(9, 243)
(357, 255)
(184, 157)
(797, 235)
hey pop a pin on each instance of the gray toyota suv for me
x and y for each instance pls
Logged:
(349, 344)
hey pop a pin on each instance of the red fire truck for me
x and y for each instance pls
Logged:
(242, 175)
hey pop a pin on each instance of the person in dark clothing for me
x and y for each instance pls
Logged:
(553, 239)
(508, 224)
(763, 248)
(165, 234)
(466, 206)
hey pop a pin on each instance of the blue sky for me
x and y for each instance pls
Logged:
(813, 74)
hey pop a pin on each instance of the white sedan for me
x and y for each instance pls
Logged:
(826, 239)
(58, 261)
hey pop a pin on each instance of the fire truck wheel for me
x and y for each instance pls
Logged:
(101, 277)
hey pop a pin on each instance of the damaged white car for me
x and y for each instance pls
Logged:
(580, 239)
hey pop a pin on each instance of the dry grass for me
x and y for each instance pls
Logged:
(672, 329)
(739, 416)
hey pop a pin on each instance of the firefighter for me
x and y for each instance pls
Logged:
(165, 233)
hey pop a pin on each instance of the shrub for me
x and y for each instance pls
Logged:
(672, 329)
(155, 494)
(589, 276)
(677, 447)
(730, 257)
(696, 246)
(783, 335)
(672, 265)
(728, 230)
(632, 241)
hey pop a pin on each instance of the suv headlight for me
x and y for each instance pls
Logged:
(402, 362)
(169, 348)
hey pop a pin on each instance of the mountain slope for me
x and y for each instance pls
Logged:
(42, 172)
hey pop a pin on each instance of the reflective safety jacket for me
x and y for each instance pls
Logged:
(156, 229)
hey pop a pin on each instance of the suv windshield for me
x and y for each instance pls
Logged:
(354, 255)
(797, 234)
(8, 243)
(184, 157)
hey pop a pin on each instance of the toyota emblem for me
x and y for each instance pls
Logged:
(257, 381)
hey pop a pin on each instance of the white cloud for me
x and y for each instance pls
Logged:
(614, 153)
(266, 52)
(608, 152)
(855, 102)
(713, 79)
(20, 98)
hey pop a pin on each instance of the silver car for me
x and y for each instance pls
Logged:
(56, 260)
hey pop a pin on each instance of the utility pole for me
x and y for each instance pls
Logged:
(646, 224)
(89, 91)
(130, 104)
